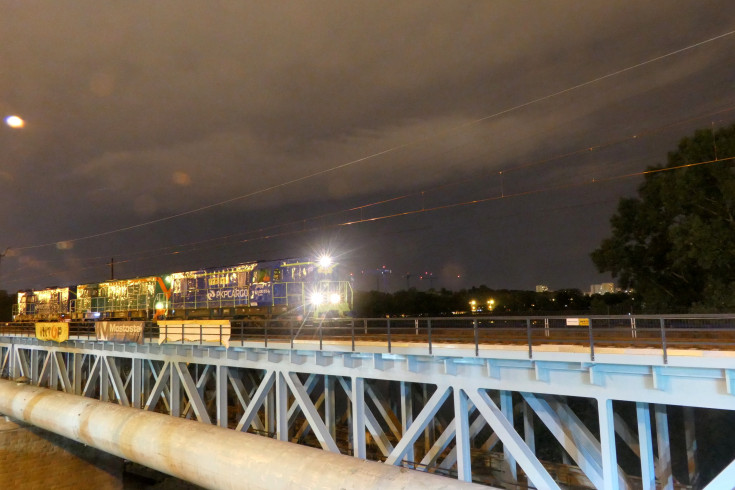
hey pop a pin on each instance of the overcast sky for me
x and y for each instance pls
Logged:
(173, 135)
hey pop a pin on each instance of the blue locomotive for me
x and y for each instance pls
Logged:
(300, 287)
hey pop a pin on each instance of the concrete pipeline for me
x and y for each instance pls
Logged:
(209, 456)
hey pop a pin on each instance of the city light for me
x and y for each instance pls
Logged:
(15, 122)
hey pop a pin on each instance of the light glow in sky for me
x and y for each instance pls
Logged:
(15, 122)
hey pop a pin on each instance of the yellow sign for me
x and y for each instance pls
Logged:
(578, 322)
(55, 331)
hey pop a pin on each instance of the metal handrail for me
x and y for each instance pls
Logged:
(641, 331)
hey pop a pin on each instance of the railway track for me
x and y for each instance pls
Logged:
(705, 332)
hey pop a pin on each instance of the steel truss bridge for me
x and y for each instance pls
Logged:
(537, 402)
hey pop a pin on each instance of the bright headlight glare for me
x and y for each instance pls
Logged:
(317, 298)
(325, 261)
(159, 306)
(334, 299)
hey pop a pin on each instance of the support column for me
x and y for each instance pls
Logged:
(14, 362)
(270, 411)
(645, 441)
(34, 367)
(528, 431)
(691, 442)
(53, 379)
(175, 390)
(506, 407)
(462, 435)
(406, 415)
(281, 408)
(358, 417)
(329, 406)
(104, 380)
(78, 364)
(429, 429)
(664, 470)
(607, 445)
(221, 395)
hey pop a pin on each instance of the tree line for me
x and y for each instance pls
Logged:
(487, 301)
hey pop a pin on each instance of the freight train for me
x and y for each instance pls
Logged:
(299, 287)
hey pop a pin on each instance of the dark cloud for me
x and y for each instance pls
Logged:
(137, 111)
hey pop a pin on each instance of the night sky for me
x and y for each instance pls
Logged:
(483, 142)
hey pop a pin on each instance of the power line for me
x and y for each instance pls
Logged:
(273, 230)
(448, 206)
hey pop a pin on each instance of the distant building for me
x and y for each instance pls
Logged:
(605, 287)
(541, 288)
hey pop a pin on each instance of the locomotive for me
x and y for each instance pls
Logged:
(297, 287)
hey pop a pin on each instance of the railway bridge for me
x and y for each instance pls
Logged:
(614, 402)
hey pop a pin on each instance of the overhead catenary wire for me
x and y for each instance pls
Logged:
(386, 151)
(594, 181)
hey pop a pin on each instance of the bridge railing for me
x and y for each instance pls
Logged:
(661, 333)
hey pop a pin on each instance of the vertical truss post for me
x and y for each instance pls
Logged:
(270, 409)
(506, 407)
(358, 417)
(607, 445)
(645, 441)
(529, 435)
(14, 361)
(34, 367)
(175, 390)
(664, 470)
(691, 443)
(462, 437)
(406, 414)
(136, 393)
(281, 408)
(428, 430)
(53, 367)
(77, 365)
(329, 406)
(104, 380)
(221, 395)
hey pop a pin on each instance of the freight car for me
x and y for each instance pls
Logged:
(291, 287)
(50, 304)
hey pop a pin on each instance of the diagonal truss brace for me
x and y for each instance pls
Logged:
(251, 412)
(533, 468)
(381, 439)
(310, 412)
(422, 420)
(197, 404)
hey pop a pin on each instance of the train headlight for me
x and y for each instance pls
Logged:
(317, 299)
(334, 299)
(325, 261)
(159, 306)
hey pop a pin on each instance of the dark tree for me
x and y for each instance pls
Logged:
(675, 243)
(6, 305)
